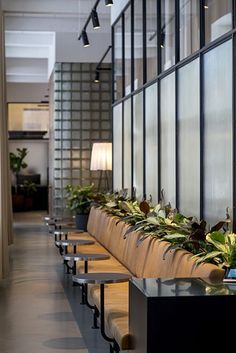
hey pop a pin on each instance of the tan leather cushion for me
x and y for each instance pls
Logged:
(145, 259)
(116, 311)
(179, 263)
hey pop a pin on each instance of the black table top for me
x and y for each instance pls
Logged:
(86, 257)
(179, 287)
(101, 277)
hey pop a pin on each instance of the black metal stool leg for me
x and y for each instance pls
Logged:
(95, 318)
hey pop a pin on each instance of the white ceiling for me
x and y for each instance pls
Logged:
(40, 32)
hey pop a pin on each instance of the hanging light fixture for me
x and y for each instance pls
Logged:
(108, 2)
(95, 20)
(85, 38)
(99, 68)
(97, 76)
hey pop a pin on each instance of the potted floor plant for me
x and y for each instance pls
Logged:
(79, 200)
(17, 163)
(29, 188)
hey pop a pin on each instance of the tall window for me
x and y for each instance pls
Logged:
(167, 43)
(138, 144)
(151, 140)
(151, 38)
(118, 80)
(167, 137)
(189, 135)
(218, 132)
(189, 21)
(117, 146)
(138, 44)
(127, 172)
(128, 50)
(218, 18)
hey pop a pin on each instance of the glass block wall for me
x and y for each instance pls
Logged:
(81, 116)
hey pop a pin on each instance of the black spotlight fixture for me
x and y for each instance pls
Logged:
(108, 2)
(85, 38)
(95, 20)
(97, 76)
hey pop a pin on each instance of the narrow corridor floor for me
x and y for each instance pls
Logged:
(39, 308)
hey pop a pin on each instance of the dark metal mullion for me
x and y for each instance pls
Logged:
(158, 37)
(132, 44)
(144, 144)
(202, 130)
(177, 41)
(123, 53)
(177, 56)
(62, 116)
(234, 134)
(113, 63)
(144, 93)
(133, 193)
(159, 138)
(202, 23)
(123, 162)
(176, 139)
(234, 13)
(144, 43)
(131, 98)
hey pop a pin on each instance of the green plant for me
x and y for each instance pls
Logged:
(17, 160)
(28, 187)
(221, 250)
(80, 199)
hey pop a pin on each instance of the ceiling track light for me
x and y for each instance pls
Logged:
(97, 77)
(99, 68)
(95, 20)
(94, 17)
(108, 2)
(85, 38)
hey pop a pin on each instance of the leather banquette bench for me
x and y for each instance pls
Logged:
(148, 258)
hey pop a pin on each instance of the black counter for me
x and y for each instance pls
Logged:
(181, 315)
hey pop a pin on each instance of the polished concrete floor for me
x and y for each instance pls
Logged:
(40, 310)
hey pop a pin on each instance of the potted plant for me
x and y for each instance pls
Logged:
(16, 164)
(79, 199)
(29, 188)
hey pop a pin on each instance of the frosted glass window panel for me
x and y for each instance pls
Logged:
(151, 132)
(189, 139)
(167, 34)
(118, 81)
(117, 147)
(138, 145)
(151, 38)
(167, 122)
(127, 171)
(218, 18)
(138, 43)
(189, 27)
(127, 61)
(218, 161)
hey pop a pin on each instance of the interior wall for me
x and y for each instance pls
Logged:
(82, 116)
(26, 92)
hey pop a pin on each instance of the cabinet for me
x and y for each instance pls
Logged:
(37, 201)
(181, 315)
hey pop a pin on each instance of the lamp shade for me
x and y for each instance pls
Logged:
(101, 158)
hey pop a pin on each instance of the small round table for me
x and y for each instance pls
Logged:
(58, 233)
(73, 242)
(102, 278)
(85, 258)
